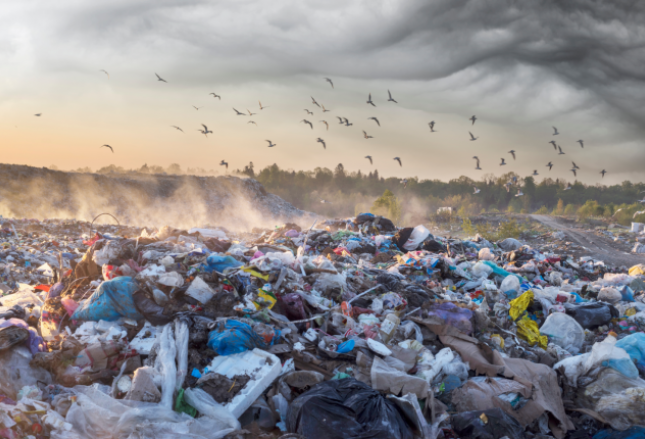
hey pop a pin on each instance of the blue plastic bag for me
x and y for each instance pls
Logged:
(111, 301)
(239, 337)
(220, 263)
(627, 294)
(634, 345)
(630, 433)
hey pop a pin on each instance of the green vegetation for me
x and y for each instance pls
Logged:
(387, 205)
(506, 229)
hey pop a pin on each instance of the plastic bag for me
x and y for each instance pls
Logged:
(207, 406)
(166, 367)
(485, 254)
(239, 337)
(220, 263)
(607, 354)
(453, 315)
(111, 301)
(634, 345)
(487, 424)
(592, 314)
(527, 329)
(418, 235)
(16, 373)
(564, 331)
(181, 334)
(510, 283)
(624, 409)
(480, 269)
(346, 408)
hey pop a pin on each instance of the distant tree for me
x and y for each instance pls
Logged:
(387, 205)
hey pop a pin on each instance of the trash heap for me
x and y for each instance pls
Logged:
(348, 329)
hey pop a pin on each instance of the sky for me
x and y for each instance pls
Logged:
(520, 67)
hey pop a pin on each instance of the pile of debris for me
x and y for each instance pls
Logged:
(351, 329)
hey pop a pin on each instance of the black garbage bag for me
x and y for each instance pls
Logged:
(150, 310)
(433, 246)
(591, 314)
(346, 409)
(493, 425)
(388, 280)
(401, 237)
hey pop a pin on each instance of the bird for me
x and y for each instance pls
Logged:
(313, 101)
(341, 120)
(535, 172)
(347, 124)
(261, 107)
(603, 172)
(574, 172)
(38, 114)
(574, 165)
(329, 80)
(223, 163)
(519, 192)
(251, 114)
(326, 124)
(514, 179)
(107, 146)
(473, 118)
(108, 75)
(404, 182)
(369, 157)
(477, 158)
(177, 128)
(431, 125)
(568, 188)
(309, 112)
(555, 131)
(238, 113)
(375, 120)
(507, 185)
(216, 96)
(197, 108)
(398, 160)
(322, 141)
(324, 109)
(582, 145)
(159, 78)
(549, 165)
(205, 131)
(366, 136)
(253, 122)
(305, 121)
(390, 99)
(476, 190)
(503, 162)
(271, 145)
(369, 100)
(552, 142)
(560, 153)
(472, 138)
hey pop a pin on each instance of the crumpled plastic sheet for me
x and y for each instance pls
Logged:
(239, 337)
(111, 301)
(527, 329)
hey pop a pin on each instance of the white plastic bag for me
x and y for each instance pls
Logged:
(418, 235)
(564, 331)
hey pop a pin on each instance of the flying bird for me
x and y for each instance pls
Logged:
(473, 118)
(375, 120)
(560, 153)
(251, 114)
(398, 160)
(341, 120)
(309, 112)
(390, 97)
(514, 179)
(366, 136)
(238, 113)
(550, 165)
(325, 202)
(503, 162)
(519, 193)
(507, 185)
(305, 121)
(108, 75)
(476, 190)
(568, 188)
(322, 141)
(38, 114)
(261, 107)
(326, 124)
(313, 101)
(177, 128)
(477, 158)
(271, 145)
(512, 152)
(347, 124)
(369, 157)
(552, 142)
(159, 78)
(324, 109)
(555, 131)
(404, 182)
(582, 145)
(107, 146)
(253, 122)
(603, 172)
(535, 172)
(197, 108)
(216, 96)
(431, 125)
(472, 138)
(574, 165)
(329, 80)
(574, 172)
(205, 131)
(223, 163)
(369, 100)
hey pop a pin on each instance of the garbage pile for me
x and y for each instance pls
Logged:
(349, 328)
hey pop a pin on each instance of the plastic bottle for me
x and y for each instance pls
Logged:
(388, 327)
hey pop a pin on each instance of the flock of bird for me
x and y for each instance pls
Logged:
(345, 122)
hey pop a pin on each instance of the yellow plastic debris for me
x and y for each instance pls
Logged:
(484, 418)
(630, 312)
(637, 269)
(527, 329)
(498, 340)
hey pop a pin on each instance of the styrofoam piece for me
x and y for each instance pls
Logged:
(378, 347)
(144, 340)
(261, 366)
(200, 290)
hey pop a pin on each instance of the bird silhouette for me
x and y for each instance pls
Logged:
(574, 165)
(326, 124)
(431, 125)
(329, 80)
(550, 165)
(205, 131)
(313, 101)
(271, 145)
(603, 172)
(477, 158)
(306, 122)
(560, 153)
(38, 114)
(503, 162)
(177, 128)
(324, 109)
(253, 122)
(512, 152)
(574, 172)
(398, 160)
(404, 182)
(552, 142)
(108, 75)
(507, 185)
(472, 138)
(159, 78)
(535, 172)
(311, 113)
(369, 157)
(197, 108)
(216, 96)
(473, 118)
(238, 113)
(390, 97)
(223, 163)
(322, 141)
(519, 193)
(476, 191)
(347, 124)
(568, 188)
(555, 131)
(369, 100)
(375, 120)
(251, 114)
(261, 107)
(341, 120)
(582, 145)
(366, 136)
(107, 146)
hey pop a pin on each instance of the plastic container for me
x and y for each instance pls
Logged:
(388, 327)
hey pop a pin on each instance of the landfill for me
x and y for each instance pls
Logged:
(344, 328)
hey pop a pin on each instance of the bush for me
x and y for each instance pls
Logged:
(542, 211)
(506, 229)
(387, 205)
(570, 209)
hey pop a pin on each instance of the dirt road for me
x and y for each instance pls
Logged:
(597, 246)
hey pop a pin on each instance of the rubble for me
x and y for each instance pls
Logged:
(347, 328)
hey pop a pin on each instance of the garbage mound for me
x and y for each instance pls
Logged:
(350, 328)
